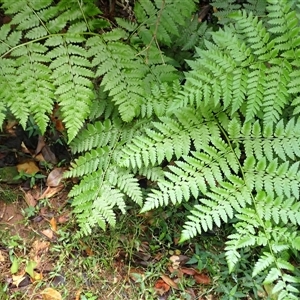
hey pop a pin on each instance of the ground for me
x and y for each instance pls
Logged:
(38, 252)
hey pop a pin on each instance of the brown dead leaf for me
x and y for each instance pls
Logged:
(176, 240)
(2, 258)
(201, 278)
(175, 272)
(41, 144)
(192, 295)
(39, 248)
(17, 279)
(49, 155)
(36, 276)
(158, 256)
(53, 224)
(51, 191)
(188, 271)
(63, 218)
(25, 149)
(10, 126)
(59, 125)
(48, 233)
(56, 118)
(51, 294)
(28, 167)
(175, 261)
(87, 249)
(39, 157)
(161, 287)
(169, 281)
(55, 177)
(29, 199)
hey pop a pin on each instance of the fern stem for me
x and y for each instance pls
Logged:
(83, 15)
(40, 19)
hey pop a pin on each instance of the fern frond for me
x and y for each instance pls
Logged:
(168, 138)
(216, 208)
(263, 142)
(95, 135)
(72, 80)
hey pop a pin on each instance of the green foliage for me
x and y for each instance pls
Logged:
(51, 53)
(226, 137)
(235, 141)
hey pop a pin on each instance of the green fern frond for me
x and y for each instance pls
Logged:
(168, 138)
(264, 142)
(218, 207)
(95, 135)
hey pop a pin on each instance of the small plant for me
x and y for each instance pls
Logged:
(88, 296)
(33, 178)
(32, 128)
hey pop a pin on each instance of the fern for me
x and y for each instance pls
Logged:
(104, 186)
(55, 46)
(227, 131)
(236, 150)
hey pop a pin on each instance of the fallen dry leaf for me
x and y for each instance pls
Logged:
(188, 271)
(175, 272)
(175, 261)
(63, 218)
(51, 191)
(49, 155)
(202, 279)
(25, 149)
(169, 281)
(48, 233)
(17, 279)
(78, 293)
(87, 249)
(51, 294)
(39, 157)
(41, 144)
(39, 248)
(192, 295)
(2, 258)
(53, 224)
(37, 276)
(29, 199)
(28, 167)
(161, 287)
(55, 177)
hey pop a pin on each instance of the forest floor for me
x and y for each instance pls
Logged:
(41, 259)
